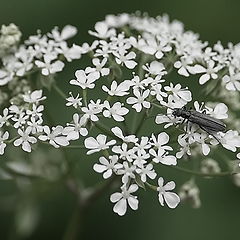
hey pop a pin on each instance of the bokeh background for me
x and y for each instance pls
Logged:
(217, 219)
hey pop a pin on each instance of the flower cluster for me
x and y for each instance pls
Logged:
(127, 89)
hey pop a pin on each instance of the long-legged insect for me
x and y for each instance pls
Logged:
(207, 123)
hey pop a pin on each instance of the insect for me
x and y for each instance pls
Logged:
(207, 123)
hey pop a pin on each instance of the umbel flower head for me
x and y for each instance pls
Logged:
(124, 101)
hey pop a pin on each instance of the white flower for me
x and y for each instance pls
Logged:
(83, 80)
(160, 156)
(75, 129)
(127, 59)
(92, 110)
(200, 138)
(70, 53)
(74, 101)
(25, 62)
(54, 137)
(118, 132)
(98, 144)
(160, 141)
(25, 139)
(36, 111)
(5, 77)
(139, 158)
(185, 148)
(67, 32)
(49, 67)
(34, 97)
(20, 119)
(146, 171)
(121, 199)
(209, 72)
(232, 80)
(172, 199)
(183, 66)
(124, 152)
(118, 90)
(127, 170)
(157, 46)
(139, 101)
(108, 167)
(220, 111)
(35, 125)
(3, 137)
(156, 91)
(230, 140)
(5, 117)
(179, 93)
(102, 30)
(99, 69)
(155, 68)
(117, 111)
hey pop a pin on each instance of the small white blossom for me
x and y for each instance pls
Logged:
(179, 93)
(124, 152)
(118, 132)
(34, 97)
(77, 128)
(49, 67)
(74, 101)
(107, 167)
(121, 199)
(127, 170)
(91, 111)
(139, 101)
(117, 111)
(232, 80)
(172, 199)
(161, 157)
(127, 59)
(55, 136)
(83, 80)
(155, 68)
(98, 144)
(146, 171)
(102, 30)
(230, 140)
(118, 90)
(25, 139)
(5, 117)
(209, 72)
(99, 69)
(3, 138)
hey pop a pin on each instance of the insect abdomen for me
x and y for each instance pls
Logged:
(213, 124)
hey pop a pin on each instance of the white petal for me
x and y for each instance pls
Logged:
(133, 203)
(204, 78)
(120, 207)
(172, 199)
(99, 168)
(115, 197)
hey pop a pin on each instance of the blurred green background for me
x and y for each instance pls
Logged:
(217, 218)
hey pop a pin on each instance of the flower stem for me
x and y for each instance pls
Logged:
(189, 171)
(59, 91)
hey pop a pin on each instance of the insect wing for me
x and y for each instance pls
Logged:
(213, 124)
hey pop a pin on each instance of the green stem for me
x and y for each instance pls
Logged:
(85, 97)
(189, 171)
(59, 91)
